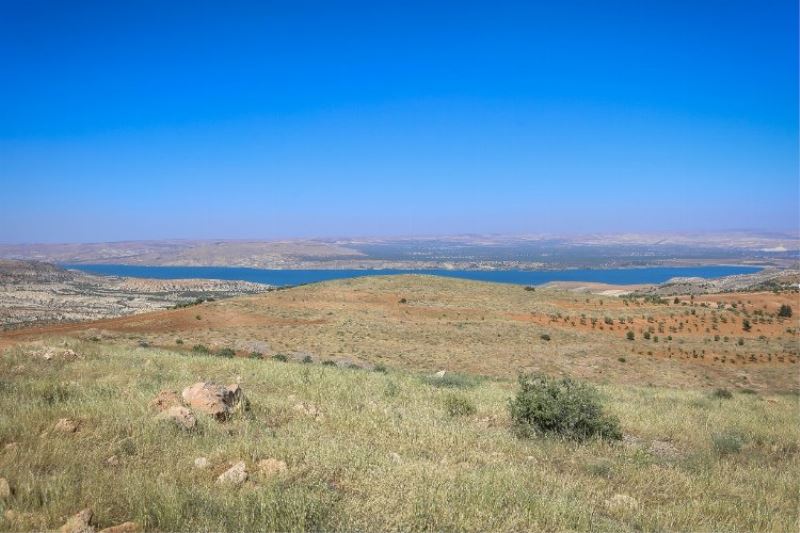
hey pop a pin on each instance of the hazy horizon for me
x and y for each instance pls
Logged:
(789, 233)
(152, 121)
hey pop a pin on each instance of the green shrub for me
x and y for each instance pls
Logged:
(544, 337)
(308, 359)
(727, 443)
(564, 407)
(459, 405)
(630, 335)
(280, 357)
(256, 355)
(328, 362)
(178, 341)
(621, 359)
(200, 348)
(722, 394)
(380, 367)
(785, 311)
(225, 352)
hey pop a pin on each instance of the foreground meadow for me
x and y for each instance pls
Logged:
(375, 450)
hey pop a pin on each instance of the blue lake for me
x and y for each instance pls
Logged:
(619, 276)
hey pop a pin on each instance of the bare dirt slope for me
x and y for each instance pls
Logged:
(430, 323)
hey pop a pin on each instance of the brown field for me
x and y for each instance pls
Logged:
(428, 323)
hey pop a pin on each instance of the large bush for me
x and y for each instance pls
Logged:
(564, 407)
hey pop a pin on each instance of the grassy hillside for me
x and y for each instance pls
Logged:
(383, 452)
(432, 323)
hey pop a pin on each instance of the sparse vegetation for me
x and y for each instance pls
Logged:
(722, 394)
(727, 442)
(225, 352)
(451, 380)
(459, 405)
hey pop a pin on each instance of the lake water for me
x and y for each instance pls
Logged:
(619, 276)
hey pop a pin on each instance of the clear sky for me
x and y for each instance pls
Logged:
(138, 120)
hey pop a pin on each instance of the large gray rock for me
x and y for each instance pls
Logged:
(214, 400)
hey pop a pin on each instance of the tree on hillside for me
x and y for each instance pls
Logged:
(785, 311)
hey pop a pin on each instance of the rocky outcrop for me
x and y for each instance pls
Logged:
(214, 400)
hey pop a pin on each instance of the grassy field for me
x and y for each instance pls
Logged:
(384, 454)
(427, 323)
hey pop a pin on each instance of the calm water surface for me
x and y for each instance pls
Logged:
(619, 276)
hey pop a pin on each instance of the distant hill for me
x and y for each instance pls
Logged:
(460, 252)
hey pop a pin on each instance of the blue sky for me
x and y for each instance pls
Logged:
(145, 120)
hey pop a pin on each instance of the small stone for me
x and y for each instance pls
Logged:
(201, 463)
(395, 457)
(112, 461)
(235, 475)
(79, 523)
(622, 503)
(440, 374)
(66, 425)
(5, 489)
(272, 467)
(125, 527)
(181, 416)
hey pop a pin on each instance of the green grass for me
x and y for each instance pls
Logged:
(464, 472)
